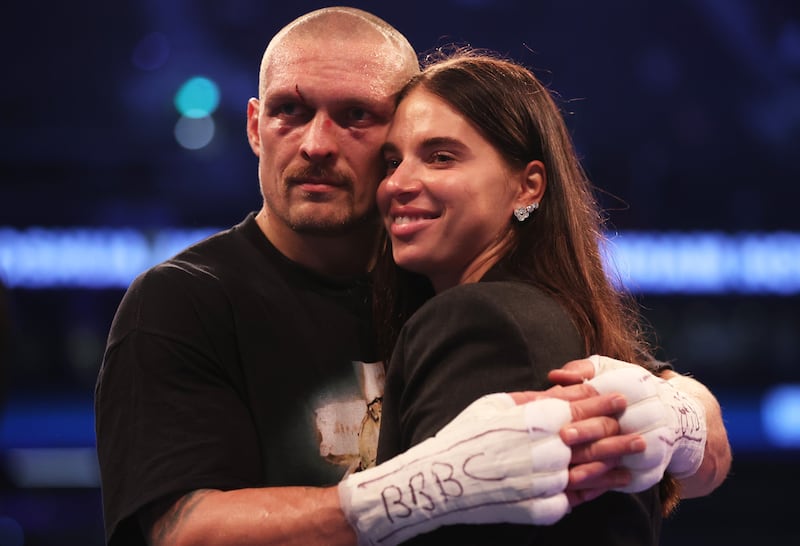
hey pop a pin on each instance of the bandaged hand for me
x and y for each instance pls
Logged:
(496, 462)
(672, 423)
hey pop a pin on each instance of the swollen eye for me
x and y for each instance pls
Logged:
(358, 114)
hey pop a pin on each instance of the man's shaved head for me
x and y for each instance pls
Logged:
(340, 27)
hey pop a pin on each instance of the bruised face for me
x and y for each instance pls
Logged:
(317, 128)
(448, 196)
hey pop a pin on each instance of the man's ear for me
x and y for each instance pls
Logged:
(533, 183)
(253, 136)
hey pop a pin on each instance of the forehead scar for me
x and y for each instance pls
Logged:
(299, 94)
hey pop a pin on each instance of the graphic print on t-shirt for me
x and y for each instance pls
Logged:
(347, 424)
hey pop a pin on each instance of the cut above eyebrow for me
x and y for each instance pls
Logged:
(299, 94)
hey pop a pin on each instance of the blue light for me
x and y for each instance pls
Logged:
(194, 133)
(63, 422)
(780, 414)
(198, 97)
(53, 467)
(654, 263)
(707, 263)
(52, 442)
(85, 258)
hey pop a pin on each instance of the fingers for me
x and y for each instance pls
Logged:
(527, 396)
(570, 393)
(576, 498)
(596, 405)
(589, 430)
(599, 438)
(584, 366)
(561, 376)
(574, 371)
(610, 448)
(585, 404)
(587, 482)
(598, 475)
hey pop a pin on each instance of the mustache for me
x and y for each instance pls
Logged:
(316, 172)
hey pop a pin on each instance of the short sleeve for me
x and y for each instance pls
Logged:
(169, 417)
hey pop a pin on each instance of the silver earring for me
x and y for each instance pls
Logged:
(522, 213)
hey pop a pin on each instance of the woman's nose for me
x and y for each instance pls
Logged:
(402, 179)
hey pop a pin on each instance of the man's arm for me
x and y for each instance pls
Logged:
(302, 516)
(717, 454)
(315, 516)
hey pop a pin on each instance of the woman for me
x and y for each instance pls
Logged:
(488, 210)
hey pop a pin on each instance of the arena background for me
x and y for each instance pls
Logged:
(123, 139)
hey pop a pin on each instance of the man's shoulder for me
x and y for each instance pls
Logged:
(223, 258)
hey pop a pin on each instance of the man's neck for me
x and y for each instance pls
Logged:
(345, 254)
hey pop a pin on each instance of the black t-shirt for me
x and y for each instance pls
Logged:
(496, 336)
(229, 366)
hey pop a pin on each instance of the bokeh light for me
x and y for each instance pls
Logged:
(781, 415)
(194, 133)
(197, 98)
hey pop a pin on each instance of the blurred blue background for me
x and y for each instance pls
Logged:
(123, 138)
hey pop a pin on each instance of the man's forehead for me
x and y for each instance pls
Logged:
(354, 71)
(376, 56)
(321, 94)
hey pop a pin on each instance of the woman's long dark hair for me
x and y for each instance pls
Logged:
(560, 248)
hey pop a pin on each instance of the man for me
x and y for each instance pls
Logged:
(238, 379)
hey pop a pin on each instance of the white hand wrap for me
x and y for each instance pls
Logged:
(496, 462)
(672, 423)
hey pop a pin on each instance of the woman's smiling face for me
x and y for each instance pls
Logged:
(448, 195)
